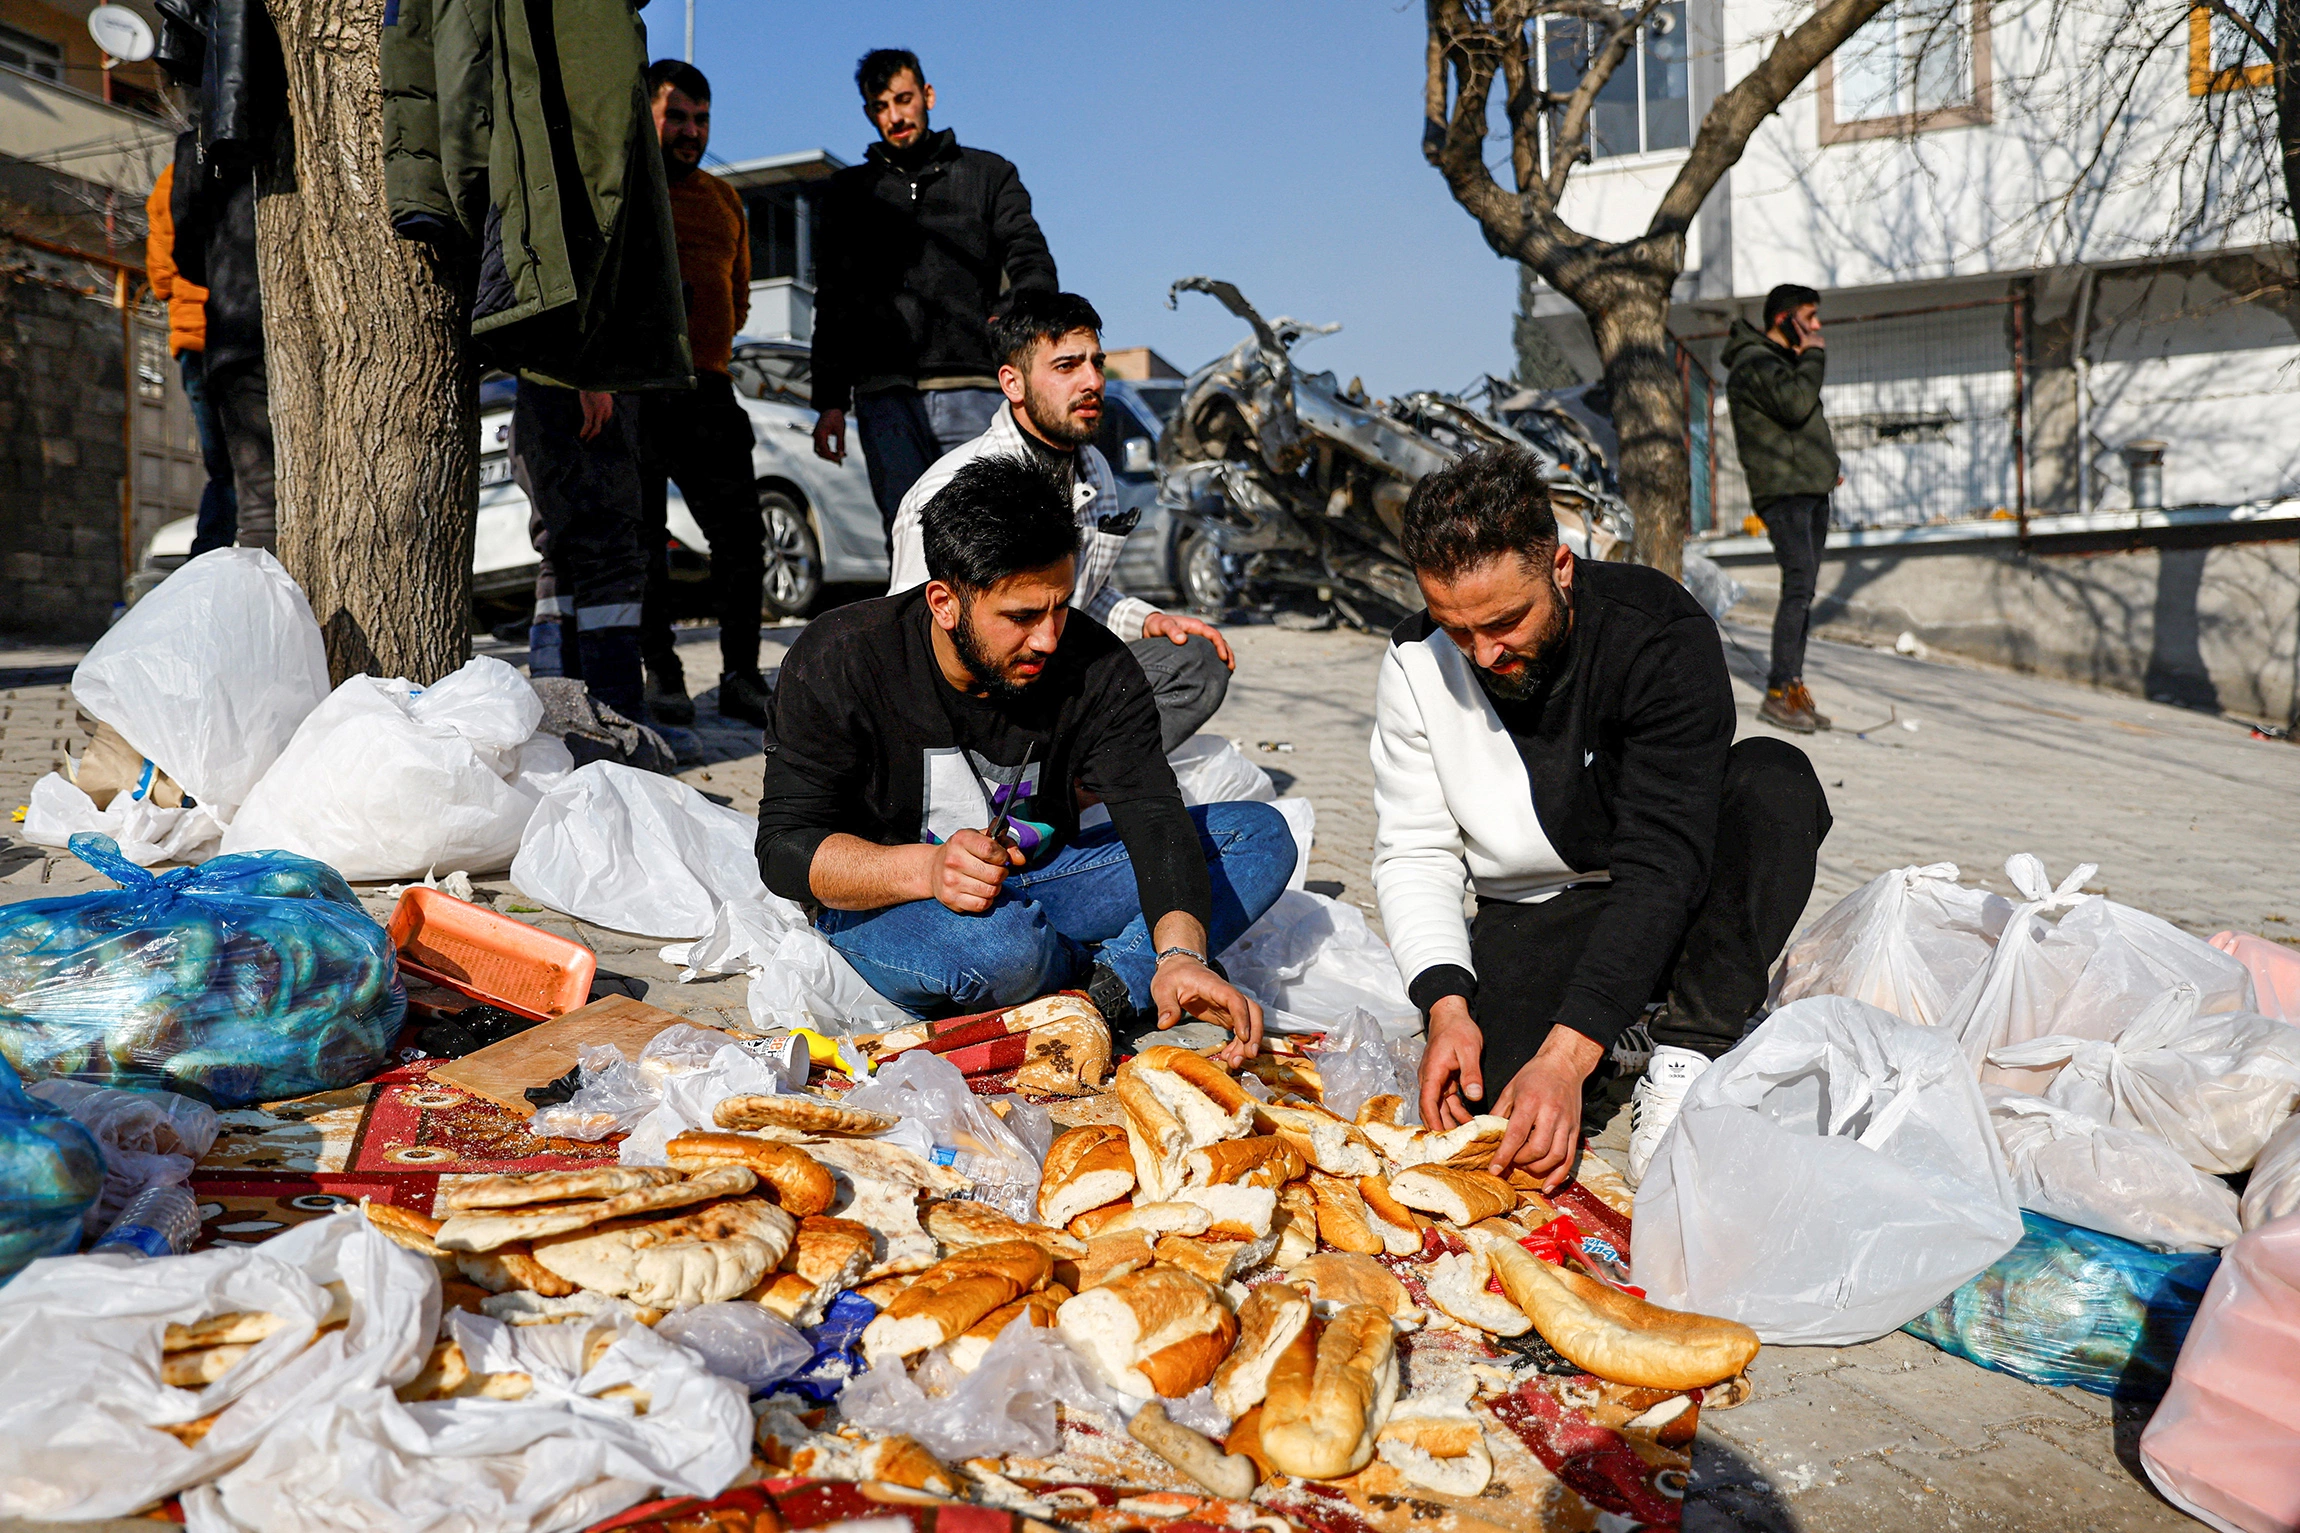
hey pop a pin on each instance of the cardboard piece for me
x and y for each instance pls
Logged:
(502, 1072)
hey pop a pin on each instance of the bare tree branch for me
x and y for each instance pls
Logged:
(1573, 126)
(2243, 24)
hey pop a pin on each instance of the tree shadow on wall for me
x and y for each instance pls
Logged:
(2177, 672)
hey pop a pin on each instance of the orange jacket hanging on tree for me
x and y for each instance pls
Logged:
(187, 302)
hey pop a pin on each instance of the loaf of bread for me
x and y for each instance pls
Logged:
(1616, 1335)
(1237, 1212)
(1343, 1222)
(799, 1115)
(1176, 1102)
(1467, 1144)
(1325, 1404)
(1216, 1258)
(1038, 1309)
(1111, 1257)
(1264, 1160)
(1399, 1227)
(1458, 1195)
(952, 1295)
(525, 1188)
(1457, 1286)
(705, 1256)
(1086, 1167)
(1272, 1316)
(827, 1257)
(1151, 1219)
(1437, 1442)
(1327, 1141)
(1296, 1224)
(961, 1223)
(1338, 1279)
(1158, 1331)
(801, 1184)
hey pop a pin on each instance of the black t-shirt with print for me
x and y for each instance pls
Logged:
(868, 738)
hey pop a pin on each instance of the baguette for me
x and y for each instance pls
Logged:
(1326, 1403)
(1615, 1335)
(1459, 1196)
(1297, 1225)
(1457, 1286)
(827, 1257)
(1336, 1280)
(1175, 1218)
(1469, 1144)
(960, 1223)
(1400, 1228)
(952, 1295)
(1160, 1331)
(1237, 1213)
(1272, 1316)
(1436, 1442)
(1343, 1221)
(1176, 1102)
(966, 1352)
(801, 1184)
(1320, 1137)
(1086, 1167)
(1266, 1160)
(1111, 1257)
(1216, 1258)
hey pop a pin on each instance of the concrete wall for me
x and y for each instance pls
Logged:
(61, 460)
(2213, 626)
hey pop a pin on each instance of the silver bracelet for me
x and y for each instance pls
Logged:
(1165, 953)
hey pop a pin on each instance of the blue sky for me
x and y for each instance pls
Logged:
(1275, 144)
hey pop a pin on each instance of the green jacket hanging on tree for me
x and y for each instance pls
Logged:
(517, 137)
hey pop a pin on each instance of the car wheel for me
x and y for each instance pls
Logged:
(1200, 577)
(794, 557)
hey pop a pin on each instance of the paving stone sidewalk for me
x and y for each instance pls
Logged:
(2185, 816)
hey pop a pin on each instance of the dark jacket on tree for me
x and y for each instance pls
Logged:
(1775, 396)
(912, 262)
(518, 137)
(213, 205)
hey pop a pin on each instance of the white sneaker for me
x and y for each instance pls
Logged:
(1654, 1104)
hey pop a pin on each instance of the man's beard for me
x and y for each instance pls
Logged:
(1057, 426)
(987, 673)
(1542, 662)
(676, 169)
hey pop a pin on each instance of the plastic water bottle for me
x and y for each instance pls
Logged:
(159, 1221)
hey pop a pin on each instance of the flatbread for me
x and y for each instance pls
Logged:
(484, 1231)
(523, 1189)
(805, 1115)
(707, 1256)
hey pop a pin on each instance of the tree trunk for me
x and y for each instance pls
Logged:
(375, 408)
(1625, 295)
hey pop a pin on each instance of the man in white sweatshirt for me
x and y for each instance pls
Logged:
(1561, 733)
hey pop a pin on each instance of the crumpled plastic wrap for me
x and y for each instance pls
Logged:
(148, 1138)
(50, 1174)
(1006, 1405)
(968, 1136)
(247, 979)
(2273, 1189)
(1357, 1062)
(2120, 1181)
(1311, 960)
(797, 978)
(1907, 941)
(2212, 1087)
(1832, 1177)
(637, 852)
(740, 1341)
(2074, 1306)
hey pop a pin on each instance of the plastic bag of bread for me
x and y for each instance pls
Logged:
(1831, 1178)
(2122, 1181)
(2273, 1188)
(928, 1090)
(246, 979)
(51, 1173)
(1907, 941)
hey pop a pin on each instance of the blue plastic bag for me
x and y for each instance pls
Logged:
(252, 977)
(2073, 1306)
(50, 1173)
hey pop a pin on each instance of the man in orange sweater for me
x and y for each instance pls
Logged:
(219, 515)
(703, 439)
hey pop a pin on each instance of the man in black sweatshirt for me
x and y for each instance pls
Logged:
(917, 242)
(927, 758)
(1562, 733)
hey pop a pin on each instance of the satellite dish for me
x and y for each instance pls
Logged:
(121, 33)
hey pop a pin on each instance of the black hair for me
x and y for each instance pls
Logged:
(1789, 295)
(1031, 315)
(875, 70)
(1492, 502)
(997, 517)
(678, 73)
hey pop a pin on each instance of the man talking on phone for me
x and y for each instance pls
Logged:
(1773, 387)
(928, 757)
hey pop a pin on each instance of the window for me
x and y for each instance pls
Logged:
(1914, 66)
(33, 55)
(2223, 55)
(1645, 106)
(782, 232)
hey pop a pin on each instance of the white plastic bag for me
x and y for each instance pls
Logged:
(210, 674)
(2214, 1088)
(147, 833)
(740, 1341)
(563, 1457)
(637, 852)
(1212, 770)
(385, 780)
(797, 978)
(1005, 1406)
(972, 1140)
(1908, 941)
(2119, 1181)
(1830, 1179)
(2273, 1190)
(1311, 960)
(81, 1401)
(149, 1138)
(1358, 1062)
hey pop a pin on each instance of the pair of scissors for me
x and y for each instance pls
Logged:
(998, 823)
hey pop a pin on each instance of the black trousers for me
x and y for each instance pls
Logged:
(583, 500)
(1769, 833)
(242, 399)
(702, 442)
(1799, 528)
(1187, 681)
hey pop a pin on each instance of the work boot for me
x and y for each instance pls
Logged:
(1656, 1102)
(667, 699)
(1782, 710)
(612, 670)
(745, 695)
(1805, 700)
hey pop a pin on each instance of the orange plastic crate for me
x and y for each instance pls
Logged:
(470, 949)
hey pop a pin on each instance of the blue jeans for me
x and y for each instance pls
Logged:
(902, 432)
(219, 519)
(1053, 923)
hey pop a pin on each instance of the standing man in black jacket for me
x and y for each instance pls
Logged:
(917, 242)
(1561, 733)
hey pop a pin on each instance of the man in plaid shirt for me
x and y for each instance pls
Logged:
(1049, 347)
